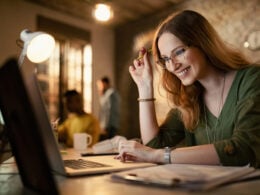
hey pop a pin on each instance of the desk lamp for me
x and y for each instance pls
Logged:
(38, 46)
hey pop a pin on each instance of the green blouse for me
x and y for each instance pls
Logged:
(235, 134)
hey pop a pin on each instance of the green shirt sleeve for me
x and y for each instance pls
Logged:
(244, 145)
(171, 131)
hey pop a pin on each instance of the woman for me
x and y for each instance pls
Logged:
(77, 121)
(215, 93)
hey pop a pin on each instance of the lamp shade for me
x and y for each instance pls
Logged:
(38, 46)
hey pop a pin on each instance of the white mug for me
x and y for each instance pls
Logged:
(81, 141)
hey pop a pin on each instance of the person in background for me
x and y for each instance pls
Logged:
(78, 121)
(109, 112)
(215, 95)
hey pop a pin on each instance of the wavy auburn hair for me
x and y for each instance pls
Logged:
(194, 30)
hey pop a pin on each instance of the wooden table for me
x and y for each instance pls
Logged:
(103, 185)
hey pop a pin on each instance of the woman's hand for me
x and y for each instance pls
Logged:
(134, 151)
(141, 72)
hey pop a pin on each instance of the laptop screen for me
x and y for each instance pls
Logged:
(40, 112)
(23, 131)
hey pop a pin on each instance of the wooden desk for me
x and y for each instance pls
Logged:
(10, 184)
(102, 185)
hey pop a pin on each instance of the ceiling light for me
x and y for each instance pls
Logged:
(103, 12)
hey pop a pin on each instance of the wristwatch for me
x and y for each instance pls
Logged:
(167, 155)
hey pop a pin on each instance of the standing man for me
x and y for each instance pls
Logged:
(109, 109)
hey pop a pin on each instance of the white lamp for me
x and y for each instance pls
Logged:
(38, 46)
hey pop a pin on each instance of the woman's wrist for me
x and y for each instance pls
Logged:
(145, 89)
(146, 93)
(162, 156)
(158, 156)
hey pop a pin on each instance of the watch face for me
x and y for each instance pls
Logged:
(253, 40)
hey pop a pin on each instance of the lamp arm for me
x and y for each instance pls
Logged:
(22, 55)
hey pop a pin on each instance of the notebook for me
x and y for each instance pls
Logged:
(103, 164)
(188, 176)
(22, 131)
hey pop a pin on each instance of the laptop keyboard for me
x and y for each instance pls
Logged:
(82, 164)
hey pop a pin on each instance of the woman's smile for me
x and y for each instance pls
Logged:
(183, 72)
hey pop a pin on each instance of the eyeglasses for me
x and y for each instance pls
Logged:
(176, 55)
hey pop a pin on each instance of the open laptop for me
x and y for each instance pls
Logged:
(102, 164)
(23, 132)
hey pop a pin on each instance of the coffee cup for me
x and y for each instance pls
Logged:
(81, 141)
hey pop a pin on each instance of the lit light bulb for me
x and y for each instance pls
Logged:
(103, 12)
(246, 44)
(38, 46)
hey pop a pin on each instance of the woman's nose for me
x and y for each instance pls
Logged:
(173, 65)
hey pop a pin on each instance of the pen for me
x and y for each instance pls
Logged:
(99, 154)
(148, 51)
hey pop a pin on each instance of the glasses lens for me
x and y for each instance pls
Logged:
(178, 54)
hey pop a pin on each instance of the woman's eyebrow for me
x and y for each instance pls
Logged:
(176, 48)
(172, 51)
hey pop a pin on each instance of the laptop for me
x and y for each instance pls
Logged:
(23, 133)
(93, 164)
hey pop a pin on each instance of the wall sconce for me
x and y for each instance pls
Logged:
(37, 46)
(102, 12)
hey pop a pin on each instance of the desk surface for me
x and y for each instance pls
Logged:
(96, 185)
(102, 184)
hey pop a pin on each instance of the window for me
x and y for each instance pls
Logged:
(69, 67)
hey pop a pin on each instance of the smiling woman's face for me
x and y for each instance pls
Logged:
(189, 67)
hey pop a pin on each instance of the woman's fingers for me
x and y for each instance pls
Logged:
(140, 63)
(130, 151)
(142, 51)
(129, 157)
(126, 149)
(146, 59)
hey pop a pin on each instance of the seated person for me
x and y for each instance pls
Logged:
(214, 92)
(78, 121)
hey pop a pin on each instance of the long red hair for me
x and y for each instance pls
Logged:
(194, 30)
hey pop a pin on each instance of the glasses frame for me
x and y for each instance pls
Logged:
(174, 54)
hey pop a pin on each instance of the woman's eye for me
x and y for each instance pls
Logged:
(179, 51)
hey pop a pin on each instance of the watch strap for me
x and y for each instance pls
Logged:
(167, 155)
